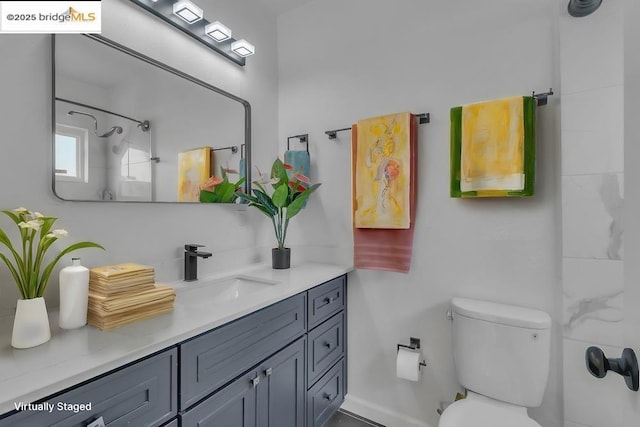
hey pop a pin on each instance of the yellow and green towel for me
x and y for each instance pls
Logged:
(493, 148)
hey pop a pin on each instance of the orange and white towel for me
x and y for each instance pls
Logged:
(385, 248)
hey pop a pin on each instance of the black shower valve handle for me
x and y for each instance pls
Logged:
(627, 365)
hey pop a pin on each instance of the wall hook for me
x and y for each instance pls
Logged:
(627, 365)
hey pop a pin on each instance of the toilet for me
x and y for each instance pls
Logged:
(501, 355)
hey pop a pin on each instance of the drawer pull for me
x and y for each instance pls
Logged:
(328, 300)
(328, 396)
(98, 422)
(328, 345)
(268, 372)
(255, 382)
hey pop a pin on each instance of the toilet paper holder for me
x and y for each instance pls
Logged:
(414, 344)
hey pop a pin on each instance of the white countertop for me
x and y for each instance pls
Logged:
(73, 356)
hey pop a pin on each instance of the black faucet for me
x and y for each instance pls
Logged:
(191, 255)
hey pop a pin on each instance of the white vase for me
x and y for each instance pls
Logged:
(74, 295)
(31, 324)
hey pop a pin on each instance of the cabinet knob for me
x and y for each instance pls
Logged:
(328, 396)
(268, 372)
(328, 345)
(255, 382)
(330, 300)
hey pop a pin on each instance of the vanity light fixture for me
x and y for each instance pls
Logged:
(189, 18)
(218, 31)
(187, 11)
(243, 48)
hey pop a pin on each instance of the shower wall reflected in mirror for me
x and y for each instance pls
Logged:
(100, 155)
(123, 120)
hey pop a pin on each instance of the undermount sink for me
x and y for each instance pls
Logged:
(229, 288)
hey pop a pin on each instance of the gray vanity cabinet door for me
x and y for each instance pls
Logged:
(281, 394)
(233, 406)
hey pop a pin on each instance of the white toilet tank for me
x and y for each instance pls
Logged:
(501, 351)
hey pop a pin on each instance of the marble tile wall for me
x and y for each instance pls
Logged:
(591, 64)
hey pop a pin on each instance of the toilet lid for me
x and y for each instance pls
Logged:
(473, 413)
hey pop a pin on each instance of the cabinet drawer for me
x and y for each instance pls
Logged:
(212, 360)
(325, 300)
(325, 347)
(326, 396)
(143, 394)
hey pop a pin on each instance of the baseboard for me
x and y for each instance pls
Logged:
(380, 415)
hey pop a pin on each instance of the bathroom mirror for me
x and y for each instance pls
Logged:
(128, 128)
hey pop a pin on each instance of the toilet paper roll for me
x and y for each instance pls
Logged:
(408, 364)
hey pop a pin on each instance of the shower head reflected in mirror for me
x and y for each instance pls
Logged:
(119, 149)
(114, 129)
(581, 8)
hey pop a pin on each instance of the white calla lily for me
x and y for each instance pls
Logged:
(33, 224)
(60, 233)
(26, 261)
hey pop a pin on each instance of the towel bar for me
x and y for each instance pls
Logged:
(423, 118)
(304, 139)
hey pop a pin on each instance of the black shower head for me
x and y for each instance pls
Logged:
(580, 8)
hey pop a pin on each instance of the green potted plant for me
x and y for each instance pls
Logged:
(287, 198)
(220, 190)
(26, 263)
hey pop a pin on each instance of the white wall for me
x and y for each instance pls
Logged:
(632, 194)
(343, 61)
(147, 233)
(592, 207)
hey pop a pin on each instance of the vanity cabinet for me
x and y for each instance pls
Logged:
(326, 350)
(213, 359)
(141, 394)
(270, 395)
(281, 366)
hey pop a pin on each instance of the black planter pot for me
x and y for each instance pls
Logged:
(280, 258)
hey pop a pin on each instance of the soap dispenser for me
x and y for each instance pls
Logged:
(74, 295)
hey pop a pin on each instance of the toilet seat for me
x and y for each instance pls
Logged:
(479, 411)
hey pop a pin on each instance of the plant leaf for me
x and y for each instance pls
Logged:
(265, 200)
(247, 197)
(278, 171)
(207, 196)
(4, 239)
(262, 209)
(14, 216)
(279, 196)
(296, 205)
(226, 192)
(15, 275)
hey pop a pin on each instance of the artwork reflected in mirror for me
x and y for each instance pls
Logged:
(124, 123)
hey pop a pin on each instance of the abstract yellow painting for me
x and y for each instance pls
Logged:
(194, 168)
(493, 148)
(382, 172)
